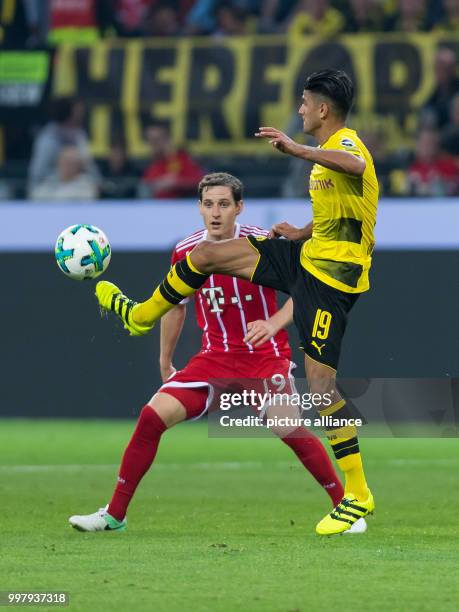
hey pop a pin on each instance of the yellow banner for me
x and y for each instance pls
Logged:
(216, 93)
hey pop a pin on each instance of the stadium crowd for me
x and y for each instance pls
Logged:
(37, 22)
(61, 166)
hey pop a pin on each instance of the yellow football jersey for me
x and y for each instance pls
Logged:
(344, 216)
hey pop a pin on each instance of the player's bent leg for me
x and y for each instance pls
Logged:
(306, 446)
(233, 257)
(162, 412)
(169, 409)
(311, 453)
(358, 501)
(343, 439)
(282, 418)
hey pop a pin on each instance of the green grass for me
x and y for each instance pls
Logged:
(224, 525)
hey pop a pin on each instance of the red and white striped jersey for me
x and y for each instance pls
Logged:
(225, 304)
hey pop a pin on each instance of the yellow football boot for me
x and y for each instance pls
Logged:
(110, 298)
(346, 513)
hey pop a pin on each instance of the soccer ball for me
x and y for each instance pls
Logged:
(82, 251)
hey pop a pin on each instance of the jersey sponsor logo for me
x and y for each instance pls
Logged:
(316, 184)
(319, 348)
(214, 297)
(347, 142)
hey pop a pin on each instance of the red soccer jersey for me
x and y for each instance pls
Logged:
(437, 178)
(225, 304)
(72, 13)
(180, 165)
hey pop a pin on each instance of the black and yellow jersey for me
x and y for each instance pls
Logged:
(344, 216)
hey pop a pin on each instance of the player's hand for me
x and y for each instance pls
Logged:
(167, 370)
(279, 140)
(259, 332)
(291, 232)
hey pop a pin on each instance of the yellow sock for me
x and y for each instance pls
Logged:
(354, 475)
(182, 281)
(345, 445)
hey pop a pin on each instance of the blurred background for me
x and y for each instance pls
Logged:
(111, 112)
(93, 95)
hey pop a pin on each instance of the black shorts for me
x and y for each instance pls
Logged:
(319, 311)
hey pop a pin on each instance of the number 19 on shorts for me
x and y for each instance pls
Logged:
(322, 324)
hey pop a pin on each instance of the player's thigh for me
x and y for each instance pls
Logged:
(190, 386)
(233, 257)
(275, 374)
(320, 314)
(278, 263)
(282, 416)
(169, 409)
(193, 399)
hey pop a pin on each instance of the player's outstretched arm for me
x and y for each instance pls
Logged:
(334, 159)
(339, 161)
(171, 329)
(259, 332)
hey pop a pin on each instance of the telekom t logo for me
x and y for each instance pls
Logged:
(214, 297)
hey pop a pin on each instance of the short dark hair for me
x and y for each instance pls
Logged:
(160, 125)
(334, 85)
(61, 109)
(222, 179)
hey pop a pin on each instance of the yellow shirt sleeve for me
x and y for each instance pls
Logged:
(344, 143)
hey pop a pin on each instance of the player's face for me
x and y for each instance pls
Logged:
(219, 211)
(311, 111)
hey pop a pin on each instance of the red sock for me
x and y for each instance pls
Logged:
(312, 454)
(137, 459)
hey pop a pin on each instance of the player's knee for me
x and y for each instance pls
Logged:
(168, 408)
(204, 257)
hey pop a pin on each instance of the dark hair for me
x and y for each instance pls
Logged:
(237, 11)
(221, 179)
(61, 109)
(118, 141)
(161, 125)
(162, 4)
(334, 85)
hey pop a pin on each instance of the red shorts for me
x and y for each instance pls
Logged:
(191, 385)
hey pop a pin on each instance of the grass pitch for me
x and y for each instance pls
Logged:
(224, 525)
